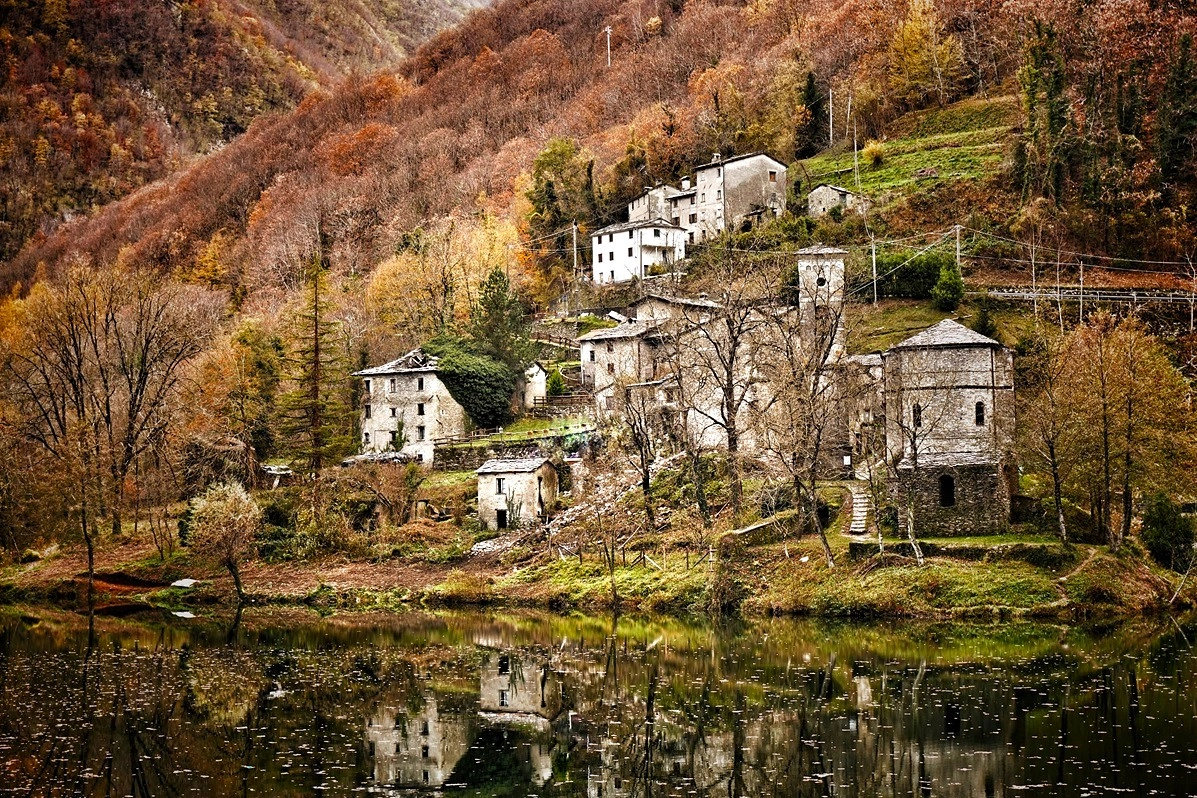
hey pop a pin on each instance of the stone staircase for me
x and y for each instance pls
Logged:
(862, 506)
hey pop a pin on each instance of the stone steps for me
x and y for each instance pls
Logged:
(862, 506)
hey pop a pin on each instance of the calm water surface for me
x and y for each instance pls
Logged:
(531, 705)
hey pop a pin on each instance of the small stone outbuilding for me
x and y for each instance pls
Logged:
(824, 197)
(515, 492)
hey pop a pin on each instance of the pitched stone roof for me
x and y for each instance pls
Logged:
(619, 228)
(947, 334)
(675, 300)
(629, 329)
(522, 465)
(415, 360)
(734, 158)
(821, 249)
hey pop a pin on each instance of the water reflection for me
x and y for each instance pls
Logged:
(528, 705)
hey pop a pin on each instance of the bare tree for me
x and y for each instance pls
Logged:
(95, 374)
(224, 522)
(641, 435)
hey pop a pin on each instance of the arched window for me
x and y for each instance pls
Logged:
(918, 415)
(980, 414)
(947, 490)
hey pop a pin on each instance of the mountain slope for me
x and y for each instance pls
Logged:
(461, 124)
(98, 98)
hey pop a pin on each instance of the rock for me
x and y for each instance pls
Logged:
(29, 555)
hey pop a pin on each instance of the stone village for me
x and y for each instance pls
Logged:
(936, 409)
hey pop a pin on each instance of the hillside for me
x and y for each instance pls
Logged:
(101, 98)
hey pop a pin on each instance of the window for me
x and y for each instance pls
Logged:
(367, 386)
(947, 490)
(980, 414)
(693, 220)
(610, 237)
(424, 751)
(425, 776)
(822, 281)
(419, 433)
(629, 252)
(704, 197)
(419, 383)
(503, 699)
(610, 368)
(656, 233)
(500, 483)
(366, 408)
(365, 437)
(424, 727)
(419, 408)
(504, 664)
(591, 355)
(393, 412)
(677, 221)
(631, 234)
(600, 260)
(612, 275)
(610, 347)
(391, 385)
(719, 194)
(394, 437)
(918, 415)
(772, 176)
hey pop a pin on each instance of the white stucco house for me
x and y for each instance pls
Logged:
(515, 491)
(634, 250)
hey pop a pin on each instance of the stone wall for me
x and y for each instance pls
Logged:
(468, 458)
(982, 500)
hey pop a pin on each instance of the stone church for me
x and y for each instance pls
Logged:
(949, 429)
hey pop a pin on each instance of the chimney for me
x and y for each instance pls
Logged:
(716, 157)
(685, 184)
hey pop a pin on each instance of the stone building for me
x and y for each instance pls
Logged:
(635, 250)
(406, 406)
(511, 492)
(949, 428)
(626, 354)
(729, 194)
(652, 204)
(824, 197)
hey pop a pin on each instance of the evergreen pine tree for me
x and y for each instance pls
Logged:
(317, 413)
(1176, 122)
(499, 325)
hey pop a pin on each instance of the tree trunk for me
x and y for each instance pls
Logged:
(1057, 492)
(914, 542)
(700, 488)
(733, 467)
(235, 570)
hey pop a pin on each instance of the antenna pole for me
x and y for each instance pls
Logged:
(607, 30)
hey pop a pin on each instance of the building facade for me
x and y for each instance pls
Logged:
(406, 406)
(635, 250)
(949, 430)
(729, 194)
(824, 197)
(623, 355)
(514, 492)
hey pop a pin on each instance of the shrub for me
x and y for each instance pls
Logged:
(984, 323)
(908, 275)
(223, 523)
(874, 152)
(1167, 533)
(949, 289)
(555, 385)
(480, 384)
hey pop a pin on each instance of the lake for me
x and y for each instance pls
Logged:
(510, 704)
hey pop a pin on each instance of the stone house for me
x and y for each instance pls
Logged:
(511, 492)
(625, 354)
(729, 194)
(824, 197)
(652, 204)
(949, 429)
(635, 250)
(654, 307)
(406, 405)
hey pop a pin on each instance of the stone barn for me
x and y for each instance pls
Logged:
(949, 428)
(513, 492)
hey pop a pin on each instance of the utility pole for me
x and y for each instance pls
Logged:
(958, 251)
(830, 117)
(575, 231)
(607, 30)
(874, 271)
(1081, 318)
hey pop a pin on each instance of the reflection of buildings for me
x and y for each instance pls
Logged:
(517, 690)
(417, 749)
